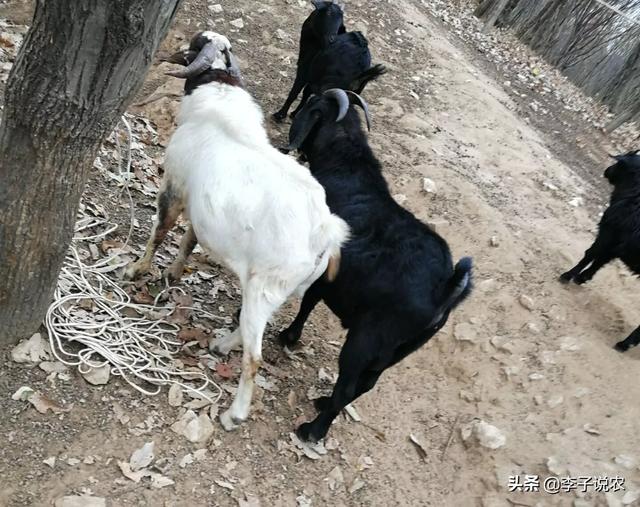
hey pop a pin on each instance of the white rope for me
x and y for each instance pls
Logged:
(141, 349)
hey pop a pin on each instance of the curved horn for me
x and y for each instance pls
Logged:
(343, 102)
(363, 104)
(203, 61)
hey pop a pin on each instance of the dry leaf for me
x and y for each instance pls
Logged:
(422, 452)
(224, 370)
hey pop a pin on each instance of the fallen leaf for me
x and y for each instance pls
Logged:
(224, 370)
(194, 334)
(422, 452)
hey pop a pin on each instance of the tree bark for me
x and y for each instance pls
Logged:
(494, 14)
(79, 66)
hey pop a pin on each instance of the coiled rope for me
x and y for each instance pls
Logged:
(141, 349)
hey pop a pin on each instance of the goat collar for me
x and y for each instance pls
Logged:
(213, 76)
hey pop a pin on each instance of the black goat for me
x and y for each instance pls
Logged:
(329, 57)
(618, 231)
(396, 284)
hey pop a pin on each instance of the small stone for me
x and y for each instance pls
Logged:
(625, 461)
(555, 401)
(196, 429)
(176, 395)
(484, 433)
(502, 343)
(538, 399)
(576, 202)
(400, 198)
(50, 462)
(536, 376)
(335, 478)
(142, 458)
(555, 466)
(98, 375)
(80, 501)
(429, 186)
(630, 497)
(437, 224)
(527, 302)
(215, 8)
(73, 462)
(570, 344)
(465, 332)
(282, 35)
(238, 23)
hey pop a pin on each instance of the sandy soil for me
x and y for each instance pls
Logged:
(540, 374)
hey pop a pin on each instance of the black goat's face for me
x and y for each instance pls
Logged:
(328, 18)
(626, 168)
(305, 122)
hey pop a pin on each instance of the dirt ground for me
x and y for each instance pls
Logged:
(526, 354)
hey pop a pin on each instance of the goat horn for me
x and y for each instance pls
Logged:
(343, 102)
(365, 107)
(231, 62)
(203, 61)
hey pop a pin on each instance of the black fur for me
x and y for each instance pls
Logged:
(618, 231)
(397, 283)
(329, 57)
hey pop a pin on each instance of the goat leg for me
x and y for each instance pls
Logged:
(588, 273)
(631, 341)
(298, 85)
(290, 336)
(573, 272)
(306, 93)
(169, 208)
(188, 243)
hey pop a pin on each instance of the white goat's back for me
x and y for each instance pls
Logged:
(253, 209)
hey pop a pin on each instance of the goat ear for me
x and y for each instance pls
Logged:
(304, 131)
(181, 57)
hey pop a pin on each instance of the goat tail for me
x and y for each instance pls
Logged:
(458, 288)
(335, 232)
(359, 82)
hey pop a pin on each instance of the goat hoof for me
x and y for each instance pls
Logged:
(288, 338)
(621, 346)
(230, 423)
(173, 274)
(565, 277)
(279, 116)
(132, 272)
(322, 403)
(303, 432)
(580, 280)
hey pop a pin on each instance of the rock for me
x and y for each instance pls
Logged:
(612, 500)
(73, 462)
(97, 375)
(502, 343)
(465, 332)
(50, 462)
(400, 198)
(429, 186)
(630, 497)
(625, 461)
(576, 202)
(526, 302)
(335, 478)
(238, 23)
(33, 350)
(536, 376)
(80, 501)
(438, 224)
(282, 35)
(142, 458)
(555, 466)
(555, 401)
(215, 8)
(196, 429)
(176, 395)
(484, 434)
(570, 344)
(494, 241)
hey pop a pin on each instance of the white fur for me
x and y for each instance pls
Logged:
(253, 209)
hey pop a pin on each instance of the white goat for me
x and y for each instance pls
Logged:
(253, 209)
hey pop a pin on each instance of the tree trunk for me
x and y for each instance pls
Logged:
(79, 66)
(621, 119)
(494, 14)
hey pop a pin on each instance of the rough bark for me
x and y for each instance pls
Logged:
(493, 14)
(79, 66)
